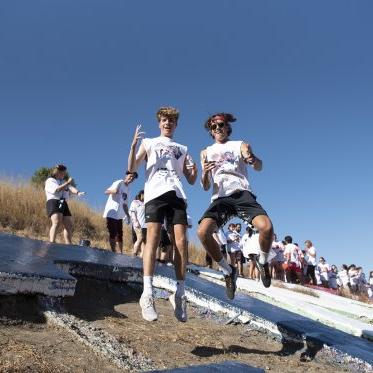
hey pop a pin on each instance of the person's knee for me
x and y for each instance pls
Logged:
(181, 243)
(204, 231)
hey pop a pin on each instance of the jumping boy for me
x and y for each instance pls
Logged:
(224, 166)
(164, 197)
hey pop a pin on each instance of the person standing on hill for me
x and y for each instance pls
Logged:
(137, 211)
(116, 209)
(57, 191)
(224, 167)
(166, 163)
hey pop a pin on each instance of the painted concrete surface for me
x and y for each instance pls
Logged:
(227, 366)
(32, 259)
(352, 317)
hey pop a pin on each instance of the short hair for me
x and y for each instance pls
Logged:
(58, 168)
(308, 242)
(228, 118)
(139, 194)
(168, 112)
(288, 239)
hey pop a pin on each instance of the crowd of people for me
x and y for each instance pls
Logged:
(160, 220)
(289, 262)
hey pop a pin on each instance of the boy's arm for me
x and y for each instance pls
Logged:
(206, 168)
(135, 159)
(190, 170)
(250, 158)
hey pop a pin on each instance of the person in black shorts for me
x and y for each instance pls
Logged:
(224, 166)
(57, 191)
(166, 164)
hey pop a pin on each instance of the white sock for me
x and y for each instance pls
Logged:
(180, 291)
(263, 257)
(148, 285)
(225, 267)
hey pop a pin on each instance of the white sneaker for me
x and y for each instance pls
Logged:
(147, 307)
(179, 306)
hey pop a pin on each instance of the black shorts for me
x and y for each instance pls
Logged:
(58, 206)
(240, 204)
(223, 249)
(115, 228)
(167, 206)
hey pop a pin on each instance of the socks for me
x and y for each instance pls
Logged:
(225, 267)
(263, 257)
(180, 290)
(148, 285)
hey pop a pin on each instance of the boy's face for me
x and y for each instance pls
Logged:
(167, 125)
(219, 129)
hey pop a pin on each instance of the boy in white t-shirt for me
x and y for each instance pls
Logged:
(116, 209)
(224, 166)
(166, 163)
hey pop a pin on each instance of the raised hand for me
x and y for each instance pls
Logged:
(138, 135)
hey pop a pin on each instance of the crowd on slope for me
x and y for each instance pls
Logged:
(289, 262)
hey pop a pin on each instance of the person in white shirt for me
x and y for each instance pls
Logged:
(311, 262)
(250, 250)
(278, 260)
(221, 238)
(224, 168)
(57, 191)
(234, 247)
(116, 209)
(166, 164)
(324, 269)
(343, 279)
(293, 258)
(137, 212)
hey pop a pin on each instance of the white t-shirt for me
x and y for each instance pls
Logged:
(230, 173)
(114, 203)
(250, 245)
(51, 184)
(292, 249)
(164, 167)
(138, 208)
(234, 246)
(221, 236)
(311, 260)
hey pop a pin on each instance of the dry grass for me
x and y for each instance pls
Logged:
(23, 213)
(22, 357)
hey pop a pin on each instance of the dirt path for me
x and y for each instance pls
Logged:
(37, 347)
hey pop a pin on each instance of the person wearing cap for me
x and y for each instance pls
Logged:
(57, 191)
(167, 162)
(224, 167)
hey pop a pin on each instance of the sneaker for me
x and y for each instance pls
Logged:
(147, 307)
(265, 275)
(230, 283)
(179, 306)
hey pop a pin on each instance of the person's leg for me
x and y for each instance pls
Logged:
(68, 229)
(181, 251)
(146, 300)
(56, 220)
(206, 228)
(139, 240)
(239, 263)
(119, 238)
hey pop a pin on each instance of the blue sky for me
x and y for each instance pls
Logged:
(77, 76)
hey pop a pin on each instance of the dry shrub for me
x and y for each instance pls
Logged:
(302, 290)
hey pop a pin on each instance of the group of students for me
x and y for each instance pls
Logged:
(164, 202)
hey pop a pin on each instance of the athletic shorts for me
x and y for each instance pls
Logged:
(167, 206)
(60, 206)
(241, 204)
(115, 228)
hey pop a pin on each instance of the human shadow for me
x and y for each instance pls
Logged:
(207, 351)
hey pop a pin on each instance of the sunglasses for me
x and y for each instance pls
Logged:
(216, 125)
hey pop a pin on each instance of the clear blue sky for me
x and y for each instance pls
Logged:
(77, 76)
